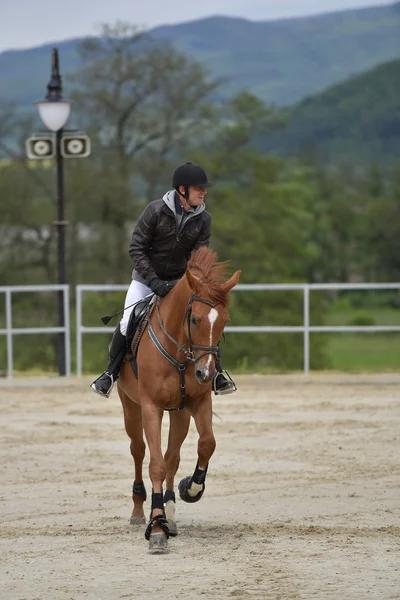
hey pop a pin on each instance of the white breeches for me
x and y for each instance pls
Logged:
(137, 291)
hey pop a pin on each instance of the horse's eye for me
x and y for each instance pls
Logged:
(194, 320)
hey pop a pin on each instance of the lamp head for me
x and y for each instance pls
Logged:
(54, 110)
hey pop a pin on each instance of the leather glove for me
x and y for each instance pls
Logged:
(160, 287)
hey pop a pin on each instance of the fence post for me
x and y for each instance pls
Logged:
(306, 291)
(67, 332)
(10, 365)
(78, 330)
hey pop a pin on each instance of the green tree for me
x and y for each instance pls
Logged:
(262, 225)
(143, 103)
(380, 236)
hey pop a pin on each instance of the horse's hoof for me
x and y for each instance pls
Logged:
(158, 543)
(184, 493)
(137, 520)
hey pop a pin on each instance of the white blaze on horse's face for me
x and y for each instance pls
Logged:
(212, 317)
(208, 325)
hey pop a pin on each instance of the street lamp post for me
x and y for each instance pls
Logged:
(54, 112)
(58, 143)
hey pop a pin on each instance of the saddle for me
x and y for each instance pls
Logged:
(138, 321)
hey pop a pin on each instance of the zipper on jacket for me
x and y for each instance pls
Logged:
(178, 232)
(182, 226)
(170, 256)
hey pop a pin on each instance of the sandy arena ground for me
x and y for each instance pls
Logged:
(302, 497)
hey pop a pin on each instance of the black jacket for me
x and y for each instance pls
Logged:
(159, 249)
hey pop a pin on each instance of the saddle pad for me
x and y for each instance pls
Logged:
(134, 344)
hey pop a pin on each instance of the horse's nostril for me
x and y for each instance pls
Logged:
(199, 374)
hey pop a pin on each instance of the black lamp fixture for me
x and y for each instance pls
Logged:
(54, 111)
(58, 143)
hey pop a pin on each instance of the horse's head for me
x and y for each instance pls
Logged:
(207, 311)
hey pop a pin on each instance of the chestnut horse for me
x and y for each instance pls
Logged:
(176, 367)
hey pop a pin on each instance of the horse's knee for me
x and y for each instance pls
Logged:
(172, 457)
(138, 450)
(157, 469)
(207, 445)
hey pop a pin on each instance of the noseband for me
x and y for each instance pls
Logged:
(188, 351)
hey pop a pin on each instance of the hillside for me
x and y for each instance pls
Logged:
(357, 120)
(281, 61)
(286, 60)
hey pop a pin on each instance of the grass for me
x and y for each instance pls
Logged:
(364, 351)
(380, 316)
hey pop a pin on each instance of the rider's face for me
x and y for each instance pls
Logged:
(196, 195)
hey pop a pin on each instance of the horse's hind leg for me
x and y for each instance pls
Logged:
(178, 429)
(134, 429)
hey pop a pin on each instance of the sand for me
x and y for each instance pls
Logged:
(302, 498)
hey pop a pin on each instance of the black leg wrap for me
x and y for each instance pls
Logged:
(199, 476)
(157, 501)
(160, 520)
(139, 490)
(169, 495)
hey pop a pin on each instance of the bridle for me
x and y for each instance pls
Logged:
(187, 350)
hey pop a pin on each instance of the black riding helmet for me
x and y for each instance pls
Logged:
(189, 174)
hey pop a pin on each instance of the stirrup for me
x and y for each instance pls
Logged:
(100, 392)
(231, 384)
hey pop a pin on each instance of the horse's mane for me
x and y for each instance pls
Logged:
(210, 272)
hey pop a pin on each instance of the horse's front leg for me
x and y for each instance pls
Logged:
(134, 429)
(192, 488)
(179, 423)
(157, 531)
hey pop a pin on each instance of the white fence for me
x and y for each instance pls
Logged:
(10, 331)
(306, 329)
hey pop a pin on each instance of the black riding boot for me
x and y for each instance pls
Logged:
(221, 384)
(104, 384)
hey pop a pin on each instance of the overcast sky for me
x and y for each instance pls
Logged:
(28, 23)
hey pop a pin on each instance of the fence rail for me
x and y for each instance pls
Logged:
(10, 331)
(306, 329)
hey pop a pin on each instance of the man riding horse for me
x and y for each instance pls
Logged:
(165, 235)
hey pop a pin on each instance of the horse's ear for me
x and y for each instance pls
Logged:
(193, 281)
(228, 285)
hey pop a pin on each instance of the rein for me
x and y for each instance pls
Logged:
(187, 351)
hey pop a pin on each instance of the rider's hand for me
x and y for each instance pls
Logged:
(160, 287)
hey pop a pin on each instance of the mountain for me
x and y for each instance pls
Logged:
(280, 61)
(283, 61)
(357, 120)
